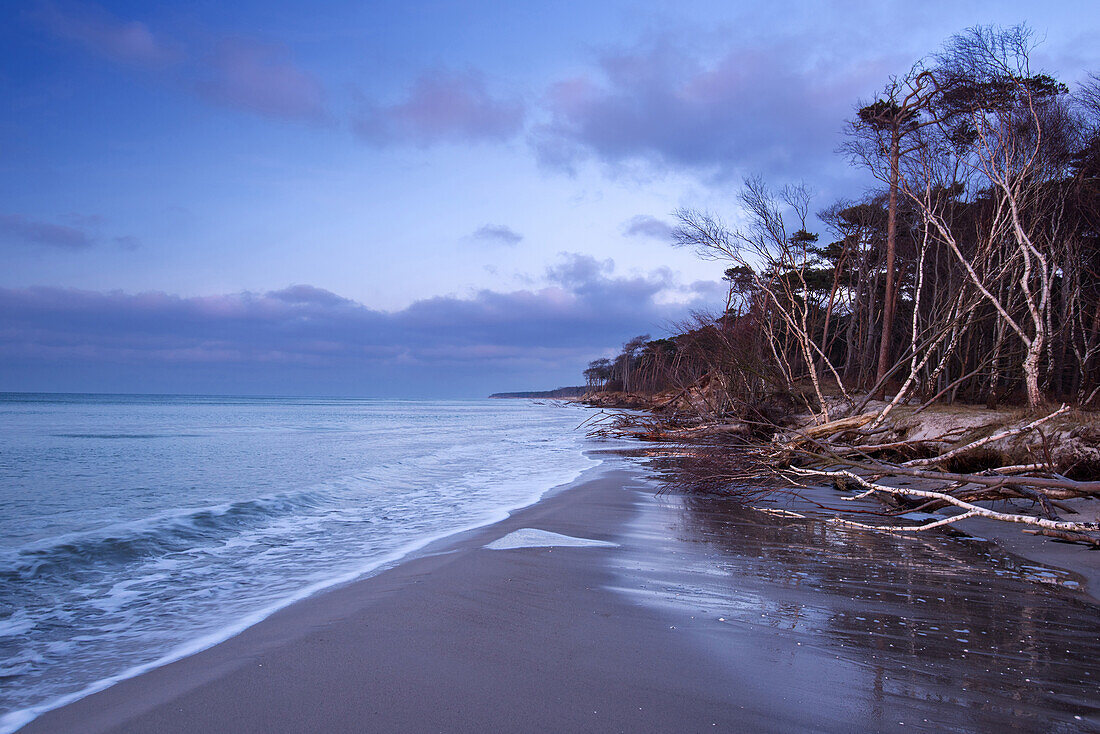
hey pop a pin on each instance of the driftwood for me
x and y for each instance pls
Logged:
(823, 430)
(1070, 486)
(910, 444)
(960, 490)
(728, 454)
(680, 434)
(971, 510)
(1066, 535)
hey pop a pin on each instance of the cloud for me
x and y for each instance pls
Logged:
(581, 271)
(498, 233)
(237, 72)
(22, 230)
(644, 225)
(129, 42)
(482, 341)
(751, 108)
(308, 295)
(442, 107)
(81, 232)
(261, 78)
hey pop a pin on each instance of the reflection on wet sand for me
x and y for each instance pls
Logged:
(948, 629)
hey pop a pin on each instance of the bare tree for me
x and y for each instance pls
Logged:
(1001, 130)
(779, 263)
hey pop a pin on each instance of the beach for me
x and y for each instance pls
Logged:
(702, 616)
(550, 367)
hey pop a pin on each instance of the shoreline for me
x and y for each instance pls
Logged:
(696, 618)
(19, 720)
(151, 699)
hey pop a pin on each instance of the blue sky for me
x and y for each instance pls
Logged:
(410, 199)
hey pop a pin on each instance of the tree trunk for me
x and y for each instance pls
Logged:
(1031, 371)
(891, 250)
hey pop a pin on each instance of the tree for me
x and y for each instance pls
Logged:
(624, 363)
(1005, 131)
(781, 265)
(972, 274)
(879, 131)
(598, 373)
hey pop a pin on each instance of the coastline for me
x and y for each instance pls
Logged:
(18, 720)
(310, 647)
(701, 617)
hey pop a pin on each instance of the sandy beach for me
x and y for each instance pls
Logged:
(703, 616)
(549, 367)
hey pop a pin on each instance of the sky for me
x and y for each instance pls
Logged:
(414, 199)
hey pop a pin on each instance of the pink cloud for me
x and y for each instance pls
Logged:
(262, 78)
(242, 73)
(26, 231)
(130, 42)
(750, 108)
(443, 107)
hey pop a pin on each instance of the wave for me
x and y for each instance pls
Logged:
(128, 435)
(153, 537)
(15, 719)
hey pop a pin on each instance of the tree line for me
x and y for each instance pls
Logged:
(969, 274)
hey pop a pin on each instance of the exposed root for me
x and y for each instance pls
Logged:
(987, 440)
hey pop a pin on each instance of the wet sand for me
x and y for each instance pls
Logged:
(704, 616)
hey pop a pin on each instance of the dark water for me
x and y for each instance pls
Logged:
(933, 633)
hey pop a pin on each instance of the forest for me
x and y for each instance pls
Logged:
(967, 276)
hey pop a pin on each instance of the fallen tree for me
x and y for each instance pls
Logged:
(735, 458)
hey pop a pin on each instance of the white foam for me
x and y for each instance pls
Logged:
(535, 538)
(11, 721)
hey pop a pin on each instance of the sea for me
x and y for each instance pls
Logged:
(137, 529)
